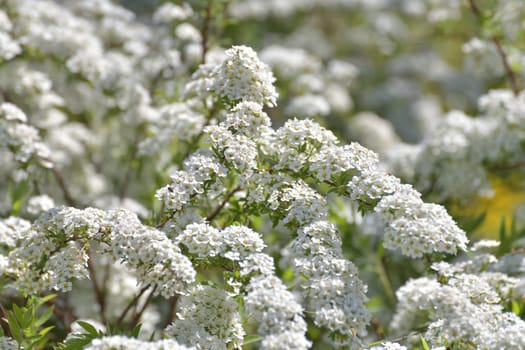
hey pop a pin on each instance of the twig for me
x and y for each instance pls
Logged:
(65, 191)
(226, 199)
(4, 325)
(385, 281)
(474, 8)
(131, 304)
(139, 314)
(497, 42)
(172, 307)
(510, 73)
(378, 329)
(100, 294)
(206, 31)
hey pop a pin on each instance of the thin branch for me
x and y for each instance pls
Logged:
(139, 314)
(100, 294)
(219, 208)
(510, 73)
(65, 191)
(172, 308)
(499, 47)
(131, 304)
(474, 8)
(206, 31)
(378, 329)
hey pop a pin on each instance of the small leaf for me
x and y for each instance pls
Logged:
(45, 299)
(88, 327)
(424, 343)
(135, 332)
(515, 307)
(18, 313)
(14, 327)
(44, 317)
(251, 339)
(46, 330)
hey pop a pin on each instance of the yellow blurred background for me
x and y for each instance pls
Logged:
(507, 203)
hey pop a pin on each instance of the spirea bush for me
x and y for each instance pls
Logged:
(258, 174)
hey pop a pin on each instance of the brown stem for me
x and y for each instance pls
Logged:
(474, 8)
(139, 314)
(4, 325)
(508, 70)
(503, 55)
(226, 199)
(100, 294)
(206, 31)
(131, 304)
(172, 308)
(378, 329)
(65, 191)
(63, 311)
(69, 315)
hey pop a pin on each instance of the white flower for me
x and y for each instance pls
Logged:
(122, 343)
(242, 77)
(39, 204)
(273, 307)
(208, 315)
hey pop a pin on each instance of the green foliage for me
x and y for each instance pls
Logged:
(77, 341)
(26, 324)
(510, 236)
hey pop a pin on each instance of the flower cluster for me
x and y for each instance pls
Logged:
(55, 253)
(278, 313)
(209, 319)
(331, 285)
(233, 243)
(465, 311)
(242, 77)
(21, 139)
(122, 342)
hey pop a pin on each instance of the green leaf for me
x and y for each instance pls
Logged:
(14, 327)
(45, 299)
(516, 307)
(251, 339)
(135, 332)
(46, 330)
(18, 313)
(44, 317)
(88, 327)
(78, 343)
(424, 343)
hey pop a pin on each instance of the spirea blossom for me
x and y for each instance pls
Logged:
(463, 311)
(418, 228)
(277, 312)
(332, 286)
(57, 253)
(234, 242)
(123, 342)
(208, 320)
(243, 77)
(21, 139)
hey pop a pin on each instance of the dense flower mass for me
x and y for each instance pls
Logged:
(151, 178)
(243, 77)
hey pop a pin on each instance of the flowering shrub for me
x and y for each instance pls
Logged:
(163, 189)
